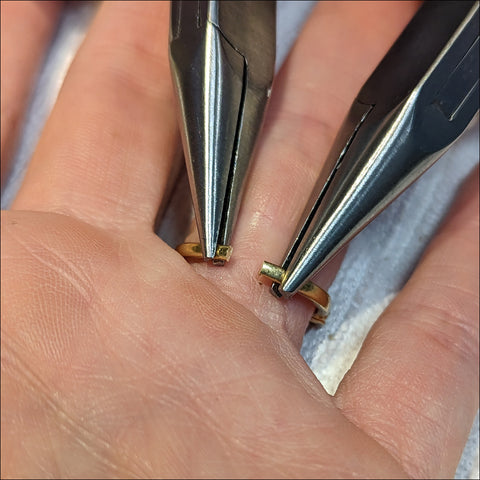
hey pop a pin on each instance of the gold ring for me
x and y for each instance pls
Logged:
(194, 250)
(314, 293)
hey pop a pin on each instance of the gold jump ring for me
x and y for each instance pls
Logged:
(194, 250)
(314, 293)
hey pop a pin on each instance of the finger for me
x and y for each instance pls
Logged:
(340, 45)
(26, 29)
(414, 386)
(107, 149)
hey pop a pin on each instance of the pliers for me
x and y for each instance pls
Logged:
(222, 57)
(417, 102)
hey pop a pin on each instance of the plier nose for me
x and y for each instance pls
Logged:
(416, 103)
(222, 57)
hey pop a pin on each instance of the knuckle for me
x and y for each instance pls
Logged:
(450, 324)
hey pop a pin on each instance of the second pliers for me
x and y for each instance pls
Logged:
(222, 57)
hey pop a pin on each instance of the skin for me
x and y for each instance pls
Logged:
(120, 359)
(20, 61)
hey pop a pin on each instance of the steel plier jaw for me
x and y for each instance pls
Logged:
(417, 102)
(222, 57)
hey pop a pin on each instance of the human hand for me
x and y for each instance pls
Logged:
(121, 359)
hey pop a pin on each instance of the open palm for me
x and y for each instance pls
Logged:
(120, 359)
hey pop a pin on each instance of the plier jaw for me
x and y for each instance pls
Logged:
(222, 57)
(418, 101)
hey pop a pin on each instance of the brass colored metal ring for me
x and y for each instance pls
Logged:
(194, 250)
(314, 293)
